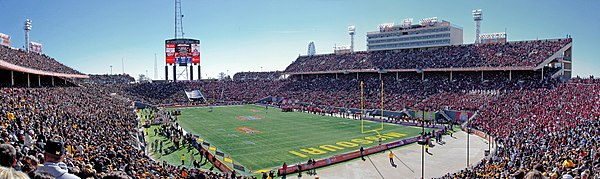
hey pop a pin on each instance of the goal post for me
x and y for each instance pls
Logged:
(363, 114)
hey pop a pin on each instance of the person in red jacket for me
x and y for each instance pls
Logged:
(284, 169)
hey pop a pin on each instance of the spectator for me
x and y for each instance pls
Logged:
(8, 155)
(54, 153)
(11, 173)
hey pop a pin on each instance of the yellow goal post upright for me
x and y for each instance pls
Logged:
(362, 110)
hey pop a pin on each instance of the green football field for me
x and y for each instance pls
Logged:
(260, 138)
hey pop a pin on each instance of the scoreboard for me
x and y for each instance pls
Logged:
(182, 51)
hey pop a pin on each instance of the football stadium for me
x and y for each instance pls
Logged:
(427, 98)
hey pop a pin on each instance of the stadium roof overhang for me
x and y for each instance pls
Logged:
(13, 67)
(466, 69)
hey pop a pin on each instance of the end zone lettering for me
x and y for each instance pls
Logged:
(354, 143)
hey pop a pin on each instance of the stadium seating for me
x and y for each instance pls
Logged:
(109, 79)
(545, 131)
(273, 75)
(521, 54)
(34, 61)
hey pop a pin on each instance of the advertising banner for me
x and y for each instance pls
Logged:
(419, 114)
(463, 116)
(4, 40)
(35, 47)
(350, 155)
(170, 53)
(196, 53)
(430, 116)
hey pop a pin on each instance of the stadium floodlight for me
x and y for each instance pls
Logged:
(477, 16)
(351, 31)
(27, 28)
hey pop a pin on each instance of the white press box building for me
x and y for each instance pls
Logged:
(428, 33)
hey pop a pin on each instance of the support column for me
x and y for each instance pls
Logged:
(423, 76)
(12, 78)
(39, 80)
(450, 75)
(336, 76)
(481, 76)
(53, 81)
(191, 72)
(166, 72)
(28, 81)
(356, 75)
(65, 80)
(379, 76)
(510, 75)
(542, 74)
(174, 72)
(397, 76)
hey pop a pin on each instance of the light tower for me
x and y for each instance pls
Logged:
(27, 28)
(351, 31)
(477, 16)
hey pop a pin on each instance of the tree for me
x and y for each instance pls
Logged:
(222, 76)
(143, 78)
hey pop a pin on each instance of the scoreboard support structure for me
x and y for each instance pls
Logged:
(199, 73)
(166, 72)
(174, 73)
(191, 72)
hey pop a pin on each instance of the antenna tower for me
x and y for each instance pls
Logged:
(178, 20)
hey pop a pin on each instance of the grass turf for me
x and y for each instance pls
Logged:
(278, 133)
(172, 156)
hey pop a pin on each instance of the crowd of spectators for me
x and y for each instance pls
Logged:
(109, 79)
(32, 119)
(552, 133)
(402, 90)
(79, 115)
(34, 60)
(511, 54)
(270, 75)
(328, 62)
(408, 90)
(157, 92)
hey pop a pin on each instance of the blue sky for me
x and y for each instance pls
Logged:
(269, 34)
